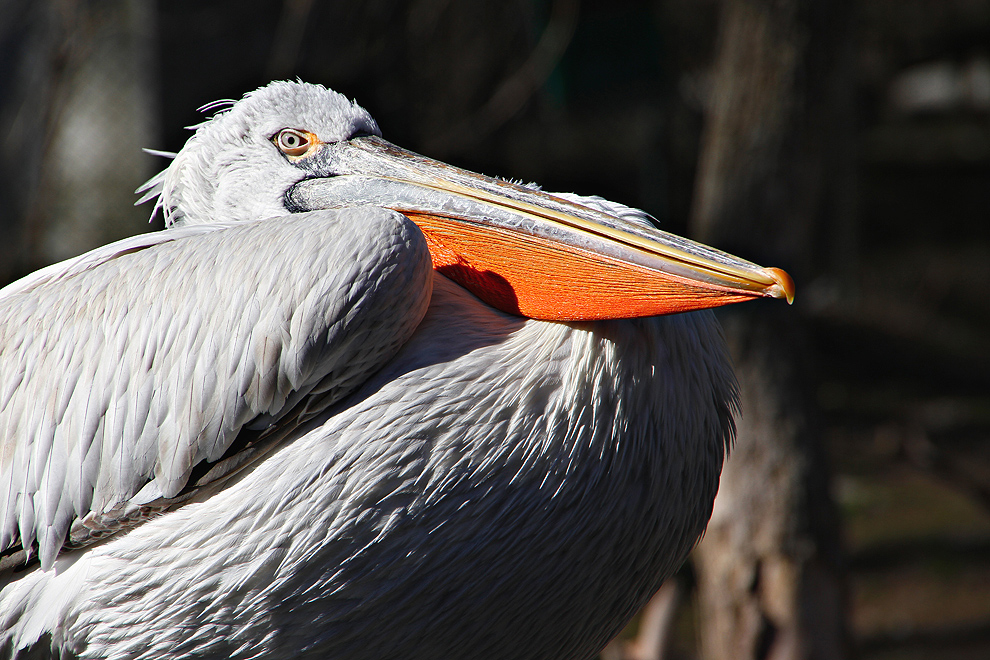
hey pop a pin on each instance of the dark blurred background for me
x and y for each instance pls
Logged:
(846, 141)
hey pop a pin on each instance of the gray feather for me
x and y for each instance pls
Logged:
(169, 401)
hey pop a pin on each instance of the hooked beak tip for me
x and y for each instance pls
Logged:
(783, 286)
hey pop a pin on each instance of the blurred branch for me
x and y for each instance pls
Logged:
(929, 643)
(893, 555)
(517, 89)
(958, 468)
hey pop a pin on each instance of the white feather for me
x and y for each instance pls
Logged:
(163, 408)
(470, 485)
(444, 472)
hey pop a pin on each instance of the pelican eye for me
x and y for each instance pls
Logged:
(294, 143)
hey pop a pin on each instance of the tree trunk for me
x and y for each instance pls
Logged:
(769, 569)
(78, 103)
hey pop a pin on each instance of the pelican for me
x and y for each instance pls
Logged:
(356, 403)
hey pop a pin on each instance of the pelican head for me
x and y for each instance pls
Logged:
(294, 147)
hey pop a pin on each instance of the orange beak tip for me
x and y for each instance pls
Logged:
(783, 286)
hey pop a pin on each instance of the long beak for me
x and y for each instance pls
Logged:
(528, 252)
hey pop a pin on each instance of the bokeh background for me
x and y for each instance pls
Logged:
(847, 141)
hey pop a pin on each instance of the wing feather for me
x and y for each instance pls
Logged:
(126, 368)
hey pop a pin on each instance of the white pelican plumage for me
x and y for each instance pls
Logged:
(356, 403)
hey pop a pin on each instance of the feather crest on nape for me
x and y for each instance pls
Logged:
(153, 187)
(152, 190)
(219, 105)
(159, 152)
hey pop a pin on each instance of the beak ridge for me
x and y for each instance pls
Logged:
(528, 252)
